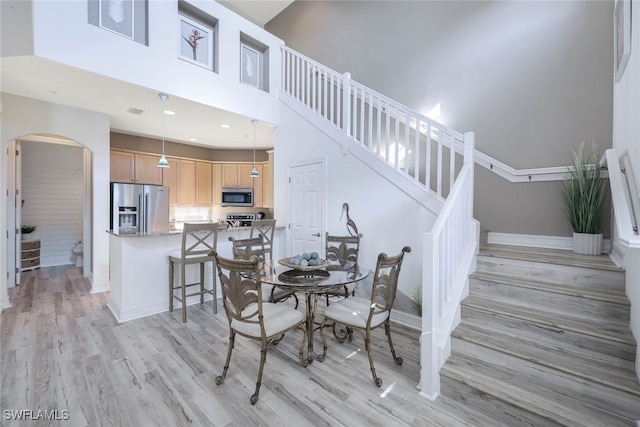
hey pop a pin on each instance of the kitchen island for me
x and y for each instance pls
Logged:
(139, 269)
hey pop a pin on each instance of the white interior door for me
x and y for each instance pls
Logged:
(306, 208)
(18, 210)
(14, 191)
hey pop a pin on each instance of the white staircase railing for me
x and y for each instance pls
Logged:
(422, 150)
(415, 145)
(626, 206)
(449, 253)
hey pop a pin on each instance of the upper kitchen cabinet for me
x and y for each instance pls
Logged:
(121, 167)
(217, 184)
(256, 184)
(204, 184)
(266, 185)
(244, 175)
(190, 182)
(135, 167)
(186, 183)
(170, 179)
(237, 175)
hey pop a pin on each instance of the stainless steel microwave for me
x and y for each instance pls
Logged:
(237, 197)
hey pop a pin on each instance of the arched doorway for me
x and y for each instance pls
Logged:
(50, 178)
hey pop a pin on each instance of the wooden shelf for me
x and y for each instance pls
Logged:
(30, 255)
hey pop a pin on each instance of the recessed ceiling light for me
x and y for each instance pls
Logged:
(169, 112)
(225, 126)
(193, 139)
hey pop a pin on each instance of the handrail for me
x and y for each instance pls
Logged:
(449, 250)
(412, 143)
(622, 205)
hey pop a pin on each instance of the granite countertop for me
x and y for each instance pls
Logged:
(176, 231)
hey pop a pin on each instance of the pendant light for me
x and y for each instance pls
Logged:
(163, 162)
(254, 171)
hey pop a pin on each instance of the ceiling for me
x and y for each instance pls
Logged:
(34, 77)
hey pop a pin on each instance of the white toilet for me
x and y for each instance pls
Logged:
(77, 251)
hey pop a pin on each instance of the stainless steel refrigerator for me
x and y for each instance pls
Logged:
(141, 209)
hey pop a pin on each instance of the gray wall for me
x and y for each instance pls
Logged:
(532, 79)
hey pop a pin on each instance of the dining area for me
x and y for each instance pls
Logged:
(306, 299)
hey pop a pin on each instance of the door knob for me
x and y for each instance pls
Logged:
(316, 235)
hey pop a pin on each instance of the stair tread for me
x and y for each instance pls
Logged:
(524, 391)
(599, 349)
(551, 256)
(613, 332)
(498, 411)
(565, 305)
(553, 356)
(590, 292)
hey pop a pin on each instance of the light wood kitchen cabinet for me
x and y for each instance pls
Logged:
(170, 179)
(122, 166)
(257, 187)
(244, 175)
(147, 170)
(217, 184)
(135, 168)
(266, 185)
(187, 183)
(229, 175)
(204, 184)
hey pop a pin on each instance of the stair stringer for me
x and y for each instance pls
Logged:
(422, 195)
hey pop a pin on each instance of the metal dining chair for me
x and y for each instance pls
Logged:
(198, 240)
(244, 249)
(364, 314)
(342, 252)
(248, 313)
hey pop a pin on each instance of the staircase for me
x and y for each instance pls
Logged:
(544, 340)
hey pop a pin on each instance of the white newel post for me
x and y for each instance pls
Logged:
(346, 112)
(429, 371)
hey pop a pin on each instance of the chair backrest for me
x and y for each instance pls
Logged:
(385, 281)
(241, 287)
(266, 227)
(342, 251)
(199, 239)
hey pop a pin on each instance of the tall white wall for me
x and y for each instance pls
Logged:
(62, 34)
(626, 137)
(53, 194)
(531, 78)
(388, 218)
(25, 116)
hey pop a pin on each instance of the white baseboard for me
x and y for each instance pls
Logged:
(407, 319)
(536, 241)
(4, 303)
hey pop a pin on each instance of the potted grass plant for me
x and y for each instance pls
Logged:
(583, 193)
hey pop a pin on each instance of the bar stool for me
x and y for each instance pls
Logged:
(198, 240)
(266, 227)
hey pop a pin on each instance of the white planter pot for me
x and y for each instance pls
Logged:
(587, 244)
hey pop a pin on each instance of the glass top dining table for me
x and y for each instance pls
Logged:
(313, 283)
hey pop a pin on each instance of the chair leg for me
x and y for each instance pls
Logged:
(183, 289)
(214, 289)
(263, 358)
(367, 345)
(202, 283)
(387, 330)
(171, 269)
(232, 340)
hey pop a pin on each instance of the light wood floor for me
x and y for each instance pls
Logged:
(62, 350)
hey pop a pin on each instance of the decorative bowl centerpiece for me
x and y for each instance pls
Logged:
(305, 262)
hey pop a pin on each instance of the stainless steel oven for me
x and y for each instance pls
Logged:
(237, 197)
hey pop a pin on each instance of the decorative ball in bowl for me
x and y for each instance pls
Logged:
(305, 262)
